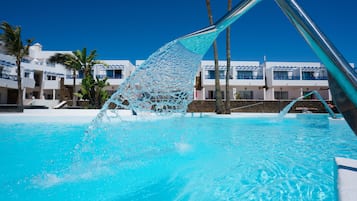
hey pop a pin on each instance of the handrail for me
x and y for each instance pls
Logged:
(246, 106)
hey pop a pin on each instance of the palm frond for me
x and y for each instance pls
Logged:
(11, 36)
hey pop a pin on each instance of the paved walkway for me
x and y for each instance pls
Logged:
(347, 179)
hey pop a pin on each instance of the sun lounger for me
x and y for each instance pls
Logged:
(59, 106)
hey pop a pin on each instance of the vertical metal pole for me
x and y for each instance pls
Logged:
(342, 78)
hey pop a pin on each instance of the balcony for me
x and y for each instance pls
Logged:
(8, 81)
(51, 84)
(315, 78)
(279, 77)
(250, 77)
(28, 82)
(8, 77)
(293, 79)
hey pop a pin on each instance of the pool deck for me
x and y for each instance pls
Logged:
(49, 115)
(347, 179)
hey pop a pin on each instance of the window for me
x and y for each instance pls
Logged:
(222, 74)
(210, 74)
(308, 75)
(110, 74)
(118, 74)
(27, 74)
(212, 94)
(280, 95)
(114, 74)
(80, 74)
(246, 94)
(281, 75)
(51, 77)
(244, 75)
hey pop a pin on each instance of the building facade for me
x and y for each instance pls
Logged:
(252, 80)
(46, 83)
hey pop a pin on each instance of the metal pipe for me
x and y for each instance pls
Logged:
(227, 19)
(342, 78)
(200, 41)
(235, 13)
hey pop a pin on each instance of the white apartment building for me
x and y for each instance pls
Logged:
(290, 80)
(46, 83)
(264, 81)
(246, 80)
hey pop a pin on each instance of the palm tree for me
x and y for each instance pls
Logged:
(11, 36)
(101, 95)
(228, 53)
(219, 103)
(87, 63)
(79, 60)
(69, 61)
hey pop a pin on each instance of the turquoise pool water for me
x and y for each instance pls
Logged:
(181, 158)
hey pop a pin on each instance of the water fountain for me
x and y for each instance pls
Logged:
(163, 83)
(287, 108)
(156, 86)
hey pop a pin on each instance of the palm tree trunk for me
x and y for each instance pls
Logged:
(20, 103)
(74, 103)
(228, 52)
(219, 103)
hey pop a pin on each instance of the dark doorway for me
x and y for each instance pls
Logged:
(11, 96)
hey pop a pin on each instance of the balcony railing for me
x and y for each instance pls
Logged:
(8, 77)
(286, 78)
(250, 77)
(98, 76)
(77, 76)
(315, 78)
(298, 78)
(110, 77)
(209, 77)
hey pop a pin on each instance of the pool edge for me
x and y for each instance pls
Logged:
(346, 183)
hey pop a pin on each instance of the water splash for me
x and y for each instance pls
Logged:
(163, 83)
(161, 86)
(287, 108)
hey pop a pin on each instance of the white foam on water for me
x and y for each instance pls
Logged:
(182, 147)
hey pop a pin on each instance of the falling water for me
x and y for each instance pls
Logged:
(160, 87)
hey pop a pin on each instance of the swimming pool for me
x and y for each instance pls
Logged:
(199, 157)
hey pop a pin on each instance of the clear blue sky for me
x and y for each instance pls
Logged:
(133, 29)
